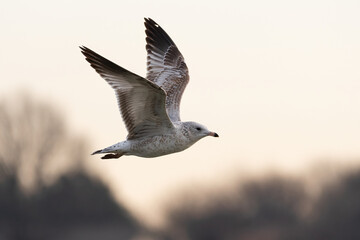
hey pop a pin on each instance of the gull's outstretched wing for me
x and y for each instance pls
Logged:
(141, 102)
(166, 67)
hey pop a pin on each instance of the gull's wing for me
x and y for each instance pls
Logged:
(141, 102)
(166, 66)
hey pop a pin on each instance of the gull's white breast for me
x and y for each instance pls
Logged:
(159, 145)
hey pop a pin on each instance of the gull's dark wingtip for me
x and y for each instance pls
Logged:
(150, 22)
(84, 49)
(147, 19)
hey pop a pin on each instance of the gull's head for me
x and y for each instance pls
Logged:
(196, 131)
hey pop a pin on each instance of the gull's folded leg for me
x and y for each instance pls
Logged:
(111, 155)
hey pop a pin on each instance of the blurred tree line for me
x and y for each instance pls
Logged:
(276, 208)
(46, 192)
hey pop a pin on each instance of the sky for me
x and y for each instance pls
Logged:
(278, 80)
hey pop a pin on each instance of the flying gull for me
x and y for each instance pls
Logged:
(150, 107)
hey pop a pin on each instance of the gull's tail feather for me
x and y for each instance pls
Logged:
(108, 156)
(114, 151)
(97, 152)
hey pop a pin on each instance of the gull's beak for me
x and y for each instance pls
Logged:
(213, 134)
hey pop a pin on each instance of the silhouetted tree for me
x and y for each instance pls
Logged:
(75, 205)
(32, 137)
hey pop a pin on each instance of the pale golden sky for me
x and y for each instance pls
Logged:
(278, 80)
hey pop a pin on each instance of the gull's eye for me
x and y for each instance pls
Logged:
(199, 129)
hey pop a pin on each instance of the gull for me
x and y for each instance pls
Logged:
(150, 107)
